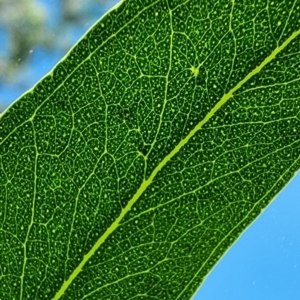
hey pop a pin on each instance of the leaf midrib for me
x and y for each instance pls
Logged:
(177, 148)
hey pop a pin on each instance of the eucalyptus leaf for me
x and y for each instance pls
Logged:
(133, 166)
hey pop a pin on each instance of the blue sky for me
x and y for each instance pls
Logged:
(264, 263)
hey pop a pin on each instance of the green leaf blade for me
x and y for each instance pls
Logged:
(146, 152)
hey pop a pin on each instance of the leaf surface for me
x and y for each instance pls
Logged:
(130, 169)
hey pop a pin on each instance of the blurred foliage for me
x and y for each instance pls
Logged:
(26, 24)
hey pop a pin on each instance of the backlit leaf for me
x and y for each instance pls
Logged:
(130, 169)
